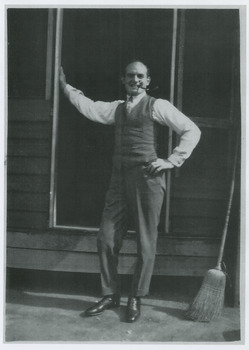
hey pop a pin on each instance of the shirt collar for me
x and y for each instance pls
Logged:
(137, 98)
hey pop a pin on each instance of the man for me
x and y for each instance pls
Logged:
(138, 178)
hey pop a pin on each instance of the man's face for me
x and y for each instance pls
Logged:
(135, 78)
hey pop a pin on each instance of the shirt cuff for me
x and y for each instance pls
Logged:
(176, 161)
(66, 89)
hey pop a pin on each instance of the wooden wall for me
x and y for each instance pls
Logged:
(29, 139)
(77, 252)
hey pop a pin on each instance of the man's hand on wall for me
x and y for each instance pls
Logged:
(63, 81)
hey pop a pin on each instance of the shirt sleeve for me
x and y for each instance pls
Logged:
(168, 115)
(97, 111)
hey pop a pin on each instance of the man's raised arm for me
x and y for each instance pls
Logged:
(99, 111)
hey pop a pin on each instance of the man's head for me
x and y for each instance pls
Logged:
(136, 78)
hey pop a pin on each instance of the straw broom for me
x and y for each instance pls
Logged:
(209, 301)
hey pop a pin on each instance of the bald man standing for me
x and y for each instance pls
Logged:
(137, 181)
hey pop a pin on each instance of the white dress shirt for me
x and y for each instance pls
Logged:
(163, 113)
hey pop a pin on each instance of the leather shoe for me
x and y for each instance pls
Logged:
(133, 309)
(108, 302)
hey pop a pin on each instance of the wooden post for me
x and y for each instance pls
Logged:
(58, 41)
(180, 71)
(170, 136)
(49, 54)
(230, 131)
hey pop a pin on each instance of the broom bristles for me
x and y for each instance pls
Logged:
(209, 301)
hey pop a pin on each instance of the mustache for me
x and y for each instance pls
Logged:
(140, 86)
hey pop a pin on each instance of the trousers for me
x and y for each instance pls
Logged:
(141, 194)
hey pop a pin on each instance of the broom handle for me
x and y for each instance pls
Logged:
(224, 233)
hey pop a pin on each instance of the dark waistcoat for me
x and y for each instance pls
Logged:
(135, 134)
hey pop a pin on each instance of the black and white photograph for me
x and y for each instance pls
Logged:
(124, 174)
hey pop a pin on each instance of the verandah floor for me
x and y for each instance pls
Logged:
(43, 307)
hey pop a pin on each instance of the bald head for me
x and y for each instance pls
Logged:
(137, 62)
(136, 78)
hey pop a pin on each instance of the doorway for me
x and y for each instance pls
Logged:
(96, 44)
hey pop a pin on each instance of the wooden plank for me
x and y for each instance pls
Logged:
(28, 147)
(28, 110)
(204, 194)
(29, 130)
(201, 226)
(32, 165)
(28, 201)
(192, 186)
(27, 220)
(198, 207)
(86, 242)
(89, 262)
(38, 183)
(214, 122)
